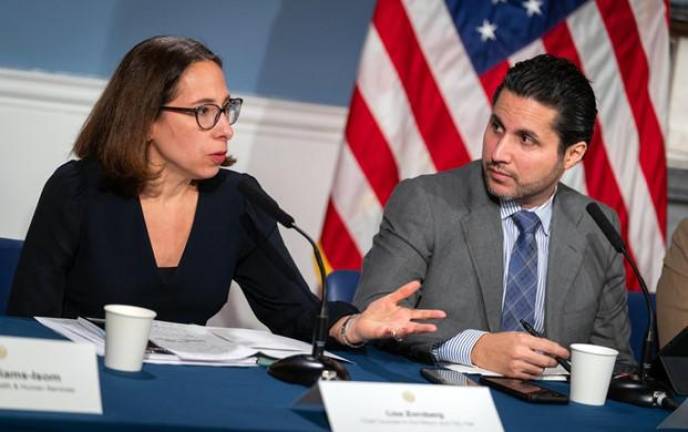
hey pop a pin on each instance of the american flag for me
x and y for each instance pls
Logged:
(423, 95)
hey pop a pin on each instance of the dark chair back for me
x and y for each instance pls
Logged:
(637, 313)
(341, 285)
(9, 257)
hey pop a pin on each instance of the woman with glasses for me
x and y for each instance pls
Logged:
(146, 216)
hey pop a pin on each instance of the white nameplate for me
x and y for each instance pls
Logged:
(365, 406)
(47, 375)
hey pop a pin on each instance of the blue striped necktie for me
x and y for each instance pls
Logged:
(521, 285)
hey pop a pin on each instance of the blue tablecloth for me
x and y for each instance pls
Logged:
(169, 398)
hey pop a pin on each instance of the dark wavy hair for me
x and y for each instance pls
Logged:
(557, 83)
(116, 131)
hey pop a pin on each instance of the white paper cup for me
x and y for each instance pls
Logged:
(126, 336)
(591, 372)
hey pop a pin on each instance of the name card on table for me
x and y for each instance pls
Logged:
(364, 406)
(47, 375)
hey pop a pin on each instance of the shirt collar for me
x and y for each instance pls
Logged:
(544, 211)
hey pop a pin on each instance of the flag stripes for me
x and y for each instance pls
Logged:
(441, 136)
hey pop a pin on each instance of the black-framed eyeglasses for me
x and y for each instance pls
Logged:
(208, 114)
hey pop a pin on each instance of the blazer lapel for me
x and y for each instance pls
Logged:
(482, 230)
(566, 248)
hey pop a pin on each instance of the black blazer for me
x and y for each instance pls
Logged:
(88, 246)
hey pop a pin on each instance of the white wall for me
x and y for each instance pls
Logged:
(290, 147)
(677, 143)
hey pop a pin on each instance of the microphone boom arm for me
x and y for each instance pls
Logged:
(649, 331)
(301, 368)
(645, 391)
(319, 336)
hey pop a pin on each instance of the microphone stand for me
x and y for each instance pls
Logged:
(303, 369)
(643, 390)
(306, 369)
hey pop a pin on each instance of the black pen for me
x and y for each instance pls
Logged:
(529, 328)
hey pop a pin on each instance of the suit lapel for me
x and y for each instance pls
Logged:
(566, 248)
(482, 230)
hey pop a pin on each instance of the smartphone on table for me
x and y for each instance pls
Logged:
(524, 389)
(447, 376)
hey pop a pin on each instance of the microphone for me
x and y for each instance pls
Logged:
(644, 391)
(254, 193)
(607, 228)
(303, 369)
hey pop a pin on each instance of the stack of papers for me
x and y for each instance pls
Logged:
(190, 344)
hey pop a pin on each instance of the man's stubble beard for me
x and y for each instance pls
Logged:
(525, 191)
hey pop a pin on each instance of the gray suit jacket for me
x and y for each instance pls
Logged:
(445, 230)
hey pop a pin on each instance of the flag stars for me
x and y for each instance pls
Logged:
(532, 7)
(487, 31)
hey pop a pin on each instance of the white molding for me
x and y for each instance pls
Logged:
(261, 116)
(287, 119)
(47, 92)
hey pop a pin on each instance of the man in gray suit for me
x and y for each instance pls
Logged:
(500, 240)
